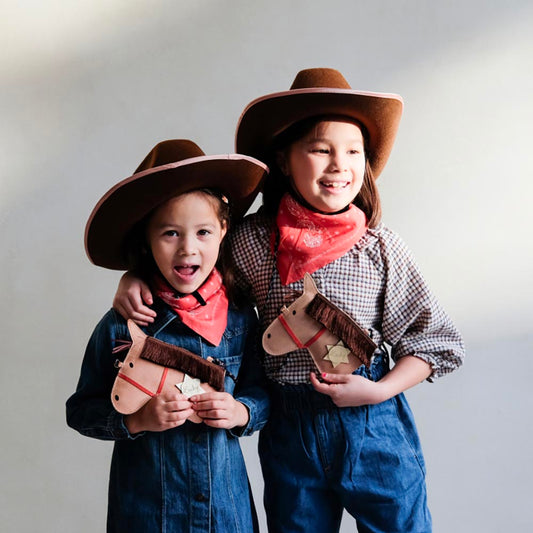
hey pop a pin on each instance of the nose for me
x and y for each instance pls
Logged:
(338, 162)
(187, 245)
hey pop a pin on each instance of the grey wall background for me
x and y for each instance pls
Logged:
(89, 87)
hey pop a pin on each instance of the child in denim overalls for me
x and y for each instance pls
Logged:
(336, 441)
(168, 222)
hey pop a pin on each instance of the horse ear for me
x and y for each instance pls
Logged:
(309, 284)
(137, 334)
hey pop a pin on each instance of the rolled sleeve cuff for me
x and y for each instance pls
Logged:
(440, 366)
(258, 414)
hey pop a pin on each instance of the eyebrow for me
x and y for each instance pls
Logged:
(325, 140)
(172, 225)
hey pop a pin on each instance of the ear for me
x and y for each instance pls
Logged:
(136, 333)
(281, 160)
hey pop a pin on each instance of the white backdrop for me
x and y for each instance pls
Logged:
(89, 87)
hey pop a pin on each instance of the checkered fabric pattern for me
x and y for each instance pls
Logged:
(377, 282)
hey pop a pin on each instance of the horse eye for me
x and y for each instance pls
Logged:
(293, 312)
(116, 397)
(269, 335)
(131, 365)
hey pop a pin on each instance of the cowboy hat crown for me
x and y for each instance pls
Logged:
(171, 168)
(319, 92)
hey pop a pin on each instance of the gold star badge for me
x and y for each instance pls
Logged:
(337, 354)
(190, 386)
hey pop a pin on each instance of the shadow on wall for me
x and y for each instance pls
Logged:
(82, 105)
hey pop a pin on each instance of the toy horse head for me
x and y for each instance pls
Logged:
(336, 343)
(152, 367)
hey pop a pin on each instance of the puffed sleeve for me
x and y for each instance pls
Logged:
(89, 410)
(413, 321)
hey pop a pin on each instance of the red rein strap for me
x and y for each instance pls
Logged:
(143, 389)
(162, 381)
(295, 339)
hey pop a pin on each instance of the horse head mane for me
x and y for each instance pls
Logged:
(173, 356)
(343, 326)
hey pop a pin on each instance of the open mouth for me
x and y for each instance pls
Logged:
(186, 270)
(334, 184)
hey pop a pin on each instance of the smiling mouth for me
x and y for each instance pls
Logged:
(335, 184)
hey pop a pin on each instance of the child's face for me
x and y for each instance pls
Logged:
(184, 235)
(327, 166)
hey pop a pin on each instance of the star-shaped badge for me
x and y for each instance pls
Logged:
(190, 386)
(337, 354)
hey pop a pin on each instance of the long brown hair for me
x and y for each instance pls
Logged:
(277, 184)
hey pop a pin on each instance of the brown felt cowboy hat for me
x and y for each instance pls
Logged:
(314, 92)
(171, 168)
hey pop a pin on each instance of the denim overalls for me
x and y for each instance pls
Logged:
(188, 479)
(318, 459)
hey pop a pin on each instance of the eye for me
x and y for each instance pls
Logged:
(204, 232)
(320, 151)
(171, 233)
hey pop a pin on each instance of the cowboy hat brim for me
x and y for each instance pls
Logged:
(268, 116)
(238, 177)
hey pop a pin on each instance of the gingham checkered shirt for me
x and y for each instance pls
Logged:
(376, 282)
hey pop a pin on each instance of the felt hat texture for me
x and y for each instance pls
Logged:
(316, 92)
(171, 168)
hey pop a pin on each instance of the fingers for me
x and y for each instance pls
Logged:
(174, 412)
(160, 413)
(174, 406)
(336, 378)
(174, 419)
(138, 317)
(323, 388)
(130, 299)
(138, 295)
(146, 293)
(142, 315)
(134, 309)
(212, 408)
(219, 423)
(217, 409)
(209, 397)
(137, 310)
(348, 390)
(329, 385)
(227, 415)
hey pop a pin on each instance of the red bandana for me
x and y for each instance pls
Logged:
(208, 318)
(309, 240)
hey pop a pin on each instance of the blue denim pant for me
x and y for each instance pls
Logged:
(318, 459)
